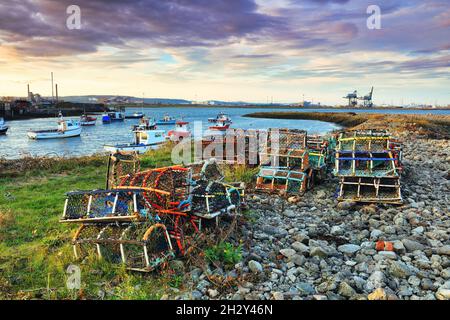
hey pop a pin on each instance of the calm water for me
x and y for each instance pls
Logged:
(16, 143)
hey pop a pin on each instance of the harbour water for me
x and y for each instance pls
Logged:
(16, 144)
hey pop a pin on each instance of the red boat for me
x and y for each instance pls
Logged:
(180, 132)
(86, 120)
(221, 125)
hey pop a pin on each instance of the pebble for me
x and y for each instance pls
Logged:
(255, 266)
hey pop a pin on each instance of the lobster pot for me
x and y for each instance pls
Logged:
(210, 199)
(287, 138)
(103, 205)
(140, 246)
(120, 165)
(236, 147)
(318, 143)
(272, 179)
(145, 246)
(289, 158)
(365, 164)
(370, 189)
(364, 140)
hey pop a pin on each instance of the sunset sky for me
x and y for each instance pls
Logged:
(229, 50)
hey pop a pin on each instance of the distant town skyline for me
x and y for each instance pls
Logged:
(252, 51)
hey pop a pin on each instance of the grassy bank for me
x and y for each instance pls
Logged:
(35, 248)
(433, 126)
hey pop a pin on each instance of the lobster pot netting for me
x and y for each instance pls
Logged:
(287, 138)
(362, 163)
(277, 179)
(144, 246)
(209, 198)
(120, 165)
(104, 204)
(369, 189)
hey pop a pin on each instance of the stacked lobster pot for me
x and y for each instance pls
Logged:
(284, 162)
(368, 164)
(147, 217)
(236, 146)
(319, 156)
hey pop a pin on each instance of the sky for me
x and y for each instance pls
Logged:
(231, 50)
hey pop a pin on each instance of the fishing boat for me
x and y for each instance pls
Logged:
(180, 132)
(3, 127)
(86, 120)
(166, 120)
(221, 125)
(144, 139)
(135, 115)
(114, 116)
(66, 129)
(145, 124)
(221, 117)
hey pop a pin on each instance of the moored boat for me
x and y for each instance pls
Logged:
(180, 132)
(66, 129)
(221, 125)
(86, 120)
(166, 120)
(114, 116)
(144, 139)
(135, 115)
(221, 117)
(3, 127)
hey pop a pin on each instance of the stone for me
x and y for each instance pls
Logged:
(288, 253)
(399, 269)
(289, 213)
(346, 205)
(346, 290)
(418, 230)
(255, 266)
(414, 281)
(196, 295)
(278, 295)
(321, 194)
(378, 294)
(305, 288)
(271, 230)
(298, 259)
(300, 247)
(443, 294)
(376, 280)
(318, 252)
(445, 273)
(213, 293)
(444, 250)
(385, 255)
(399, 247)
(375, 234)
(412, 245)
(349, 248)
(336, 231)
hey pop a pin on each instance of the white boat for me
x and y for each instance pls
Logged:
(86, 120)
(134, 115)
(221, 117)
(3, 127)
(144, 140)
(66, 129)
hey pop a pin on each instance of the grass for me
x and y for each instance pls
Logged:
(35, 248)
(225, 253)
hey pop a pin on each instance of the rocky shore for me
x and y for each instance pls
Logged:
(312, 248)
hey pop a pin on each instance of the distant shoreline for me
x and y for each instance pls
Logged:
(432, 126)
